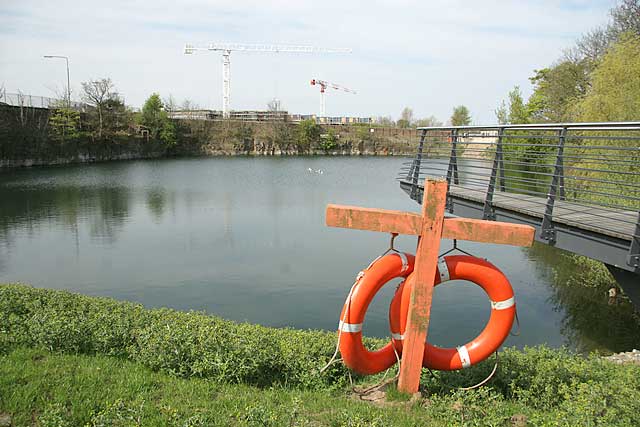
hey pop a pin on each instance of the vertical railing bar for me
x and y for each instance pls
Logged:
(501, 161)
(454, 150)
(451, 169)
(633, 259)
(547, 231)
(416, 166)
(561, 190)
(488, 212)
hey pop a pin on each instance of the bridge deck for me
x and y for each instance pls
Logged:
(614, 223)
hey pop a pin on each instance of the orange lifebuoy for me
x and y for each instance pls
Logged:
(503, 309)
(369, 282)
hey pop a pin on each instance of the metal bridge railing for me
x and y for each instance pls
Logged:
(585, 175)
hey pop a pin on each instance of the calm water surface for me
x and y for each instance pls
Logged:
(244, 238)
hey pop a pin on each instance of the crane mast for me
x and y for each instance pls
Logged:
(227, 48)
(323, 87)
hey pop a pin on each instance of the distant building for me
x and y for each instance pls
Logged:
(265, 116)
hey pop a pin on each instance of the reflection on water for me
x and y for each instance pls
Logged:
(580, 289)
(244, 238)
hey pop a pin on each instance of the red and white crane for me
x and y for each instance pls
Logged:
(324, 85)
(227, 48)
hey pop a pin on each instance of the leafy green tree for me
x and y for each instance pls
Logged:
(461, 116)
(556, 89)
(64, 123)
(615, 85)
(514, 110)
(328, 141)
(518, 111)
(117, 117)
(308, 134)
(155, 118)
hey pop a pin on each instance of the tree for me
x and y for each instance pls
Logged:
(96, 93)
(170, 103)
(155, 118)
(386, 121)
(274, 105)
(556, 89)
(328, 141)
(460, 116)
(593, 45)
(502, 113)
(615, 85)
(63, 123)
(430, 121)
(406, 118)
(308, 134)
(518, 111)
(188, 105)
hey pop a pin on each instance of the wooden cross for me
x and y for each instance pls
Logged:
(430, 227)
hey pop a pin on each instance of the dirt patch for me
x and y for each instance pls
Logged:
(378, 395)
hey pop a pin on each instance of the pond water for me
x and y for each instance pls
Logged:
(244, 238)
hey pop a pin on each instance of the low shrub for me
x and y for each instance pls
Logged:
(184, 344)
(192, 344)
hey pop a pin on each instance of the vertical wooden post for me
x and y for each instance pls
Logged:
(433, 207)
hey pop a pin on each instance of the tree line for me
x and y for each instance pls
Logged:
(107, 116)
(461, 116)
(597, 79)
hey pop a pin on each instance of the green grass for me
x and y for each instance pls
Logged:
(68, 359)
(38, 387)
(77, 390)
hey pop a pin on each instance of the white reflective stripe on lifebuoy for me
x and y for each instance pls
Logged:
(350, 327)
(464, 356)
(397, 337)
(502, 305)
(405, 261)
(443, 269)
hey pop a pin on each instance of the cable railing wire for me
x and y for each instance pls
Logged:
(571, 172)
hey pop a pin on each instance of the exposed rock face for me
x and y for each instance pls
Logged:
(632, 356)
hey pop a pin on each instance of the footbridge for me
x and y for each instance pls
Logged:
(578, 184)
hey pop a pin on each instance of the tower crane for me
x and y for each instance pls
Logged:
(227, 48)
(323, 87)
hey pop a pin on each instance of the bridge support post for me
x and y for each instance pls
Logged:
(415, 167)
(547, 231)
(633, 259)
(488, 212)
(452, 170)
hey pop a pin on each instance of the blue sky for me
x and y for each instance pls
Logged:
(428, 55)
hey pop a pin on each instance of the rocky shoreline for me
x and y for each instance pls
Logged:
(632, 357)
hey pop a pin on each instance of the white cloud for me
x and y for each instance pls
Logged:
(429, 55)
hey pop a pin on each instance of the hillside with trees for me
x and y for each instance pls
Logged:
(598, 79)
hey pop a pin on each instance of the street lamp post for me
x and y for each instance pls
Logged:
(68, 84)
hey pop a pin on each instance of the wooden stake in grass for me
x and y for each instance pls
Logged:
(430, 227)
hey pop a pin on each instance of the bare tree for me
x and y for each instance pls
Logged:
(274, 105)
(593, 44)
(626, 17)
(98, 93)
(189, 105)
(170, 104)
(430, 121)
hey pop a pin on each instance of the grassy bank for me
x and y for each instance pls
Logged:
(68, 358)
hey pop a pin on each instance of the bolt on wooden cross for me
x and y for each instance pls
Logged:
(430, 227)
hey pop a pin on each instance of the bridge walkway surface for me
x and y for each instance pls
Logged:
(578, 184)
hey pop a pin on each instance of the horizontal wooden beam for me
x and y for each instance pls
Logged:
(477, 230)
(389, 221)
(374, 219)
